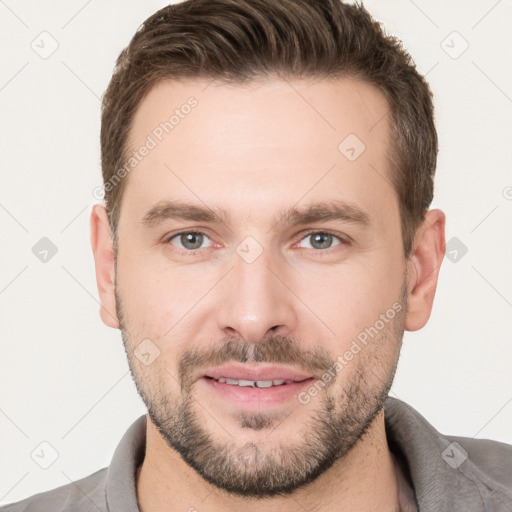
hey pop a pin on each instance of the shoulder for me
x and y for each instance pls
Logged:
(84, 495)
(492, 459)
(450, 472)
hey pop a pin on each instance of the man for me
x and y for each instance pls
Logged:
(264, 243)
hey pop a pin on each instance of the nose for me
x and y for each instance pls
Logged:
(256, 301)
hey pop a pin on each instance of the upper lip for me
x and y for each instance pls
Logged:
(260, 372)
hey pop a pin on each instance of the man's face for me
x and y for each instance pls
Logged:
(262, 296)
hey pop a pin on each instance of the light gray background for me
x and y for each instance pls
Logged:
(64, 378)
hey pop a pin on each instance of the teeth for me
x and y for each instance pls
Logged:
(252, 383)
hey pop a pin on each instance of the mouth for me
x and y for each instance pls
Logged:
(254, 383)
(255, 387)
(262, 376)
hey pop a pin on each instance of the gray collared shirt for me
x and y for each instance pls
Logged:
(438, 473)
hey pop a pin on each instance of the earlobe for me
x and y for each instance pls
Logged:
(102, 248)
(423, 269)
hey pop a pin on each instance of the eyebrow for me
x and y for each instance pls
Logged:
(328, 210)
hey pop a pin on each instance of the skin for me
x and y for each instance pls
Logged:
(253, 151)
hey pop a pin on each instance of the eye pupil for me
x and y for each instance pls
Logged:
(323, 240)
(195, 239)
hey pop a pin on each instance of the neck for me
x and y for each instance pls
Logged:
(364, 479)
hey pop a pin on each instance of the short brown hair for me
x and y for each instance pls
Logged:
(236, 41)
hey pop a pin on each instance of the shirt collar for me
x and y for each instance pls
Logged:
(437, 485)
(121, 489)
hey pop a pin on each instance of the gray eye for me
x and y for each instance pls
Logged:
(189, 240)
(321, 240)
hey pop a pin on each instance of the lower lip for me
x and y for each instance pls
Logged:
(246, 395)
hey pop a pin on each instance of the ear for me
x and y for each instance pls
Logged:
(423, 269)
(102, 248)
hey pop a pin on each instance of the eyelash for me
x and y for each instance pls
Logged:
(322, 252)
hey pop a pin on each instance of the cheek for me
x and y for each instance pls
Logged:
(349, 299)
(161, 302)
(151, 298)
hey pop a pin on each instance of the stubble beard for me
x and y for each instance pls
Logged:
(338, 421)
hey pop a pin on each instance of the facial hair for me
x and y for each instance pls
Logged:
(255, 470)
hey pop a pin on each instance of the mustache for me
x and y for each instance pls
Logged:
(276, 350)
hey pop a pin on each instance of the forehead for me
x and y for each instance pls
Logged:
(321, 111)
(268, 141)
